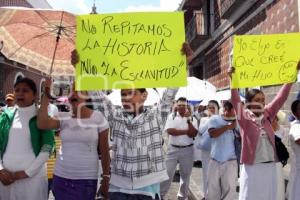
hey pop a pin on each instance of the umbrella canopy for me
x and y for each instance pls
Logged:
(225, 95)
(41, 39)
(197, 90)
(221, 96)
(153, 97)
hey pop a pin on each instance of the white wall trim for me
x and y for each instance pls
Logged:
(17, 75)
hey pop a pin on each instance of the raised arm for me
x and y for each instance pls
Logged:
(43, 119)
(166, 103)
(236, 102)
(275, 105)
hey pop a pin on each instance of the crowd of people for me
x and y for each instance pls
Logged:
(237, 139)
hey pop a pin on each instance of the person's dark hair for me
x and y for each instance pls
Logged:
(251, 94)
(294, 106)
(214, 102)
(181, 99)
(89, 104)
(228, 105)
(30, 83)
(142, 90)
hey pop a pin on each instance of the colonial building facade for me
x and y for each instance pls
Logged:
(10, 70)
(211, 24)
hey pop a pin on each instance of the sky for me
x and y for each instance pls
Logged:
(112, 6)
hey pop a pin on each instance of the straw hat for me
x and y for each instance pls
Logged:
(10, 97)
(281, 116)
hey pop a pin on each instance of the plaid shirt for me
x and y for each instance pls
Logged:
(137, 141)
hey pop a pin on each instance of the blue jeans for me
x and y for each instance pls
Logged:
(68, 189)
(123, 196)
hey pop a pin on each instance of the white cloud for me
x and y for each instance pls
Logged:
(170, 5)
(165, 5)
(82, 6)
(79, 6)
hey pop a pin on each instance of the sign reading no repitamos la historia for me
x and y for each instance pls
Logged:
(130, 50)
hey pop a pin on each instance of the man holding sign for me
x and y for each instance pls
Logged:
(137, 163)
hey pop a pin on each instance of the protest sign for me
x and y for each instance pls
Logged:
(130, 50)
(261, 60)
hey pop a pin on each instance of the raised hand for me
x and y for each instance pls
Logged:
(74, 57)
(187, 50)
(187, 113)
(46, 87)
(230, 71)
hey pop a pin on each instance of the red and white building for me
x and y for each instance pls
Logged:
(10, 70)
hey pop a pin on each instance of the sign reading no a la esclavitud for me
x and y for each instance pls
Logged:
(130, 50)
(261, 60)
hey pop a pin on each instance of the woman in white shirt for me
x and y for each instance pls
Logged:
(83, 135)
(294, 135)
(24, 149)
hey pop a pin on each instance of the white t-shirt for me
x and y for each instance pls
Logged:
(294, 136)
(280, 132)
(180, 123)
(264, 151)
(78, 155)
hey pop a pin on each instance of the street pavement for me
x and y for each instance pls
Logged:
(196, 184)
(172, 195)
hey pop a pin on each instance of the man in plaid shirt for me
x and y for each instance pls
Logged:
(137, 163)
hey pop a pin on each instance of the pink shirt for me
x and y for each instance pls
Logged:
(249, 129)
